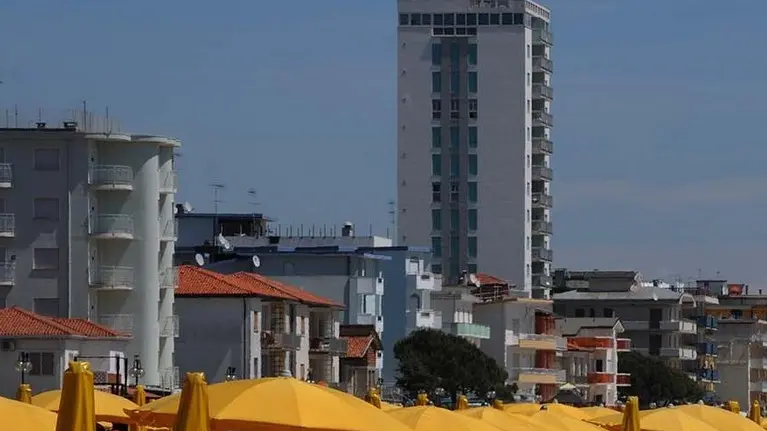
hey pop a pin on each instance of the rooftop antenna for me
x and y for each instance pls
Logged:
(217, 187)
(252, 198)
(392, 219)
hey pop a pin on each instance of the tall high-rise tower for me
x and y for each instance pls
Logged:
(473, 136)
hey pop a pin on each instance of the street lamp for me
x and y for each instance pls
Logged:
(490, 395)
(230, 374)
(136, 371)
(23, 366)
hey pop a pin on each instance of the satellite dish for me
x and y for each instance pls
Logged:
(256, 261)
(224, 242)
(187, 207)
(199, 259)
(474, 280)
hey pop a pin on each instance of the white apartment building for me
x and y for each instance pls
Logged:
(474, 119)
(88, 231)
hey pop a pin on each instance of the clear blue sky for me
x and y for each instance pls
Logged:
(659, 145)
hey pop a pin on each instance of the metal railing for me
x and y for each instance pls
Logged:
(540, 253)
(111, 175)
(543, 63)
(168, 180)
(170, 378)
(169, 326)
(542, 173)
(540, 226)
(542, 91)
(331, 345)
(542, 145)
(559, 375)
(541, 35)
(118, 322)
(169, 278)
(7, 272)
(470, 330)
(113, 276)
(6, 173)
(80, 119)
(541, 118)
(7, 224)
(280, 340)
(542, 200)
(112, 224)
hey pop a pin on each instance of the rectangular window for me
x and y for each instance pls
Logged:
(438, 31)
(455, 82)
(436, 82)
(473, 192)
(455, 137)
(46, 259)
(438, 19)
(472, 137)
(455, 55)
(473, 168)
(507, 19)
(436, 109)
(403, 19)
(455, 106)
(436, 246)
(436, 165)
(454, 164)
(436, 219)
(448, 31)
(415, 19)
(436, 268)
(472, 219)
(460, 19)
(46, 209)
(449, 18)
(436, 54)
(608, 312)
(519, 19)
(471, 19)
(454, 220)
(495, 19)
(483, 19)
(454, 246)
(436, 192)
(472, 246)
(47, 159)
(473, 109)
(436, 137)
(472, 82)
(43, 364)
(472, 54)
(426, 19)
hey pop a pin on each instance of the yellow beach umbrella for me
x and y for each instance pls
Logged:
(462, 403)
(108, 407)
(76, 409)
(561, 422)
(24, 393)
(139, 398)
(720, 419)
(595, 412)
(755, 414)
(501, 420)
(193, 412)
(279, 404)
(373, 398)
(667, 419)
(526, 409)
(422, 400)
(431, 418)
(631, 415)
(17, 416)
(498, 404)
(732, 406)
(387, 407)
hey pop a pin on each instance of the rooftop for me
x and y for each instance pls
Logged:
(570, 326)
(637, 294)
(16, 322)
(359, 339)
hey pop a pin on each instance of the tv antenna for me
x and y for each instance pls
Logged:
(217, 187)
(392, 219)
(252, 198)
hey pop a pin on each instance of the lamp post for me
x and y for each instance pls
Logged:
(23, 366)
(136, 371)
(230, 374)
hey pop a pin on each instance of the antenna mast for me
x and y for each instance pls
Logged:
(216, 188)
(393, 219)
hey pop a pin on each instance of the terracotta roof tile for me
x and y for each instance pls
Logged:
(295, 292)
(16, 322)
(194, 281)
(356, 347)
(487, 279)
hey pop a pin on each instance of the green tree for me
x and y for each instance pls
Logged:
(430, 359)
(654, 381)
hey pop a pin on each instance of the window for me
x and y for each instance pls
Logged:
(455, 137)
(471, 19)
(527, 134)
(519, 19)
(436, 195)
(472, 81)
(472, 54)
(483, 19)
(449, 18)
(473, 108)
(403, 19)
(472, 268)
(47, 159)
(592, 313)
(436, 246)
(436, 82)
(454, 248)
(460, 19)
(415, 19)
(43, 364)
(46, 209)
(507, 19)
(455, 106)
(436, 109)
(472, 213)
(436, 219)
(527, 243)
(529, 79)
(426, 19)
(608, 312)
(454, 164)
(455, 55)
(455, 83)
(436, 54)
(436, 165)
(46, 258)
(495, 19)
(472, 192)
(454, 191)
(436, 268)
(455, 220)
(436, 137)
(472, 137)
(438, 19)
(528, 161)
(580, 312)
(472, 246)
(473, 164)
(527, 217)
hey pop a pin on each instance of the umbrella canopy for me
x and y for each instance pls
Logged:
(568, 397)
(522, 408)
(24, 393)
(755, 414)
(720, 419)
(430, 418)
(22, 416)
(595, 412)
(501, 420)
(76, 410)
(631, 415)
(277, 403)
(108, 407)
(666, 419)
(387, 407)
(732, 406)
(193, 412)
(463, 403)
(558, 421)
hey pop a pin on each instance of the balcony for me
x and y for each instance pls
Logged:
(425, 281)
(683, 326)
(708, 375)
(543, 91)
(112, 277)
(601, 343)
(542, 36)
(7, 273)
(328, 345)
(542, 342)
(601, 378)
(470, 330)
(682, 353)
(510, 338)
(623, 379)
(542, 146)
(7, 225)
(542, 173)
(709, 349)
(623, 344)
(169, 278)
(542, 64)
(379, 286)
(541, 227)
(279, 340)
(542, 119)
(169, 230)
(709, 323)
(758, 386)
(111, 177)
(363, 285)
(6, 176)
(542, 200)
(542, 254)
(542, 280)
(428, 319)
(118, 322)
(169, 327)
(170, 378)
(112, 226)
(168, 182)
(543, 376)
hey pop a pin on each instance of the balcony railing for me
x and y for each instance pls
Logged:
(541, 118)
(542, 146)
(710, 323)
(6, 175)
(111, 176)
(169, 278)
(540, 253)
(623, 344)
(542, 173)
(280, 340)
(683, 353)
(542, 280)
(113, 277)
(169, 230)
(118, 322)
(708, 349)
(623, 379)
(113, 225)
(470, 330)
(333, 346)
(682, 325)
(543, 91)
(540, 226)
(708, 375)
(559, 376)
(542, 200)
(543, 36)
(541, 63)
(7, 225)
(592, 342)
(557, 342)
(7, 273)
(169, 326)
(168, 181)
(601, 378)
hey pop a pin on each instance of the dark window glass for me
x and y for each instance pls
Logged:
(472, 137)
(473, 164)
(519, 18)
(473, 192)
(436, 268)
(472, 268)
(472, 82)
(438, 31)
(471, 31)
(454, 220)
(471, 19)
(483, 19)
(449, 19)
(436, 165)
(426, 19)
(454, 164)
(460, 19)
(472, 246)
(455, 82)
(495, 19)
(403, 19)
(436, 247)
(436, 137)
(449, 31)
(436, 219)
(436, 54)
(472, 54)
(436, 82)
(472, 213)
(507, 19)
(415, 19)
(455, 137)
(580, 312)
(460, 31)
(438, 19)
(455, 55)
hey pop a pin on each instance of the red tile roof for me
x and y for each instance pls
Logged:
(295, 292)
(16, 322)
(357, 346)
(487, 279)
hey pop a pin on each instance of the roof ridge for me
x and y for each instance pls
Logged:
(93, 325)
(44, 319)
(274, 284)
(222, 278)
(288, 289)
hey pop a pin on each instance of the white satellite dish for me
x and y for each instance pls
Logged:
(256, 261)
(224, 242)
(474, 280)
(199, 259)
(187, 207)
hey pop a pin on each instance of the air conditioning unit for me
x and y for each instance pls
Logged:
(8, 346)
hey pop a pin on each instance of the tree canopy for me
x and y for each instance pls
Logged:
(430, 359)
(654, 381)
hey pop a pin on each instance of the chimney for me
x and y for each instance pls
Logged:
(347, 229)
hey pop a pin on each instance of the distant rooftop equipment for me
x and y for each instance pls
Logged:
(40, 124)
(256, 261)
(347, 229)
(199, 259)
(69, 125)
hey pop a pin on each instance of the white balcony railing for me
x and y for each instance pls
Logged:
(7, 225)
(169, 278)
(111, 176)
(559, 375)
(169, 230)
(6, 175)
(118, 322)
(113, 276)
(169, 326)
(7, 273)
(113, 225)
